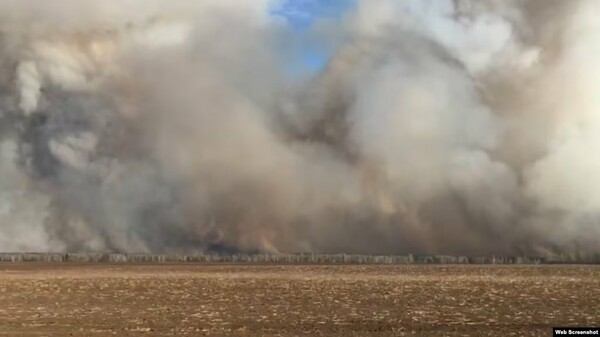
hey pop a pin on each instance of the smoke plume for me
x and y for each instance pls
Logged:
(437, 126)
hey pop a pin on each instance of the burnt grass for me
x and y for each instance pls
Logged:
(44, 299)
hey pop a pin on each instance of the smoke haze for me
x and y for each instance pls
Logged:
(437, 126)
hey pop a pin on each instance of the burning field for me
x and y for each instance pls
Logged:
(294, 300)
(276, 128)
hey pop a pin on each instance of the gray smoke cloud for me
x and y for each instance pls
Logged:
(438, 126)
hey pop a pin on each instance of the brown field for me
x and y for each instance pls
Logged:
(247, 300)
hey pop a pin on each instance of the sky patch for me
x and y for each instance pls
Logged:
(301, 15)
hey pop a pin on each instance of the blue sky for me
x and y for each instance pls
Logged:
(301, 15)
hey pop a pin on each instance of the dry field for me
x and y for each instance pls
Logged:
(246, 300)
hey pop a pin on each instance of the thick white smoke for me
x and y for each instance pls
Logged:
(438, 126)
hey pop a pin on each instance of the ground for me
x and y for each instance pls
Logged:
(247, 300)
